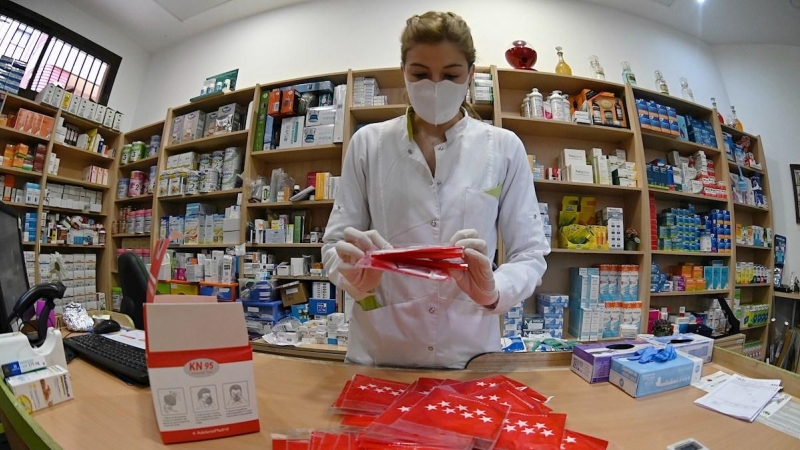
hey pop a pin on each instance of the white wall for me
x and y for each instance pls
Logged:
(276, 45)
(128, 84)
(762, 81)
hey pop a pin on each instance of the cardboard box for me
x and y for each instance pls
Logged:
(592, 362)
(42, 388)
(293, 293)
(291, 132)
(321, 115)
(690, 343)
(193, 126)
(318, 135)
(639, 380)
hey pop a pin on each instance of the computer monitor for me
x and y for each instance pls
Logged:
(13, 276)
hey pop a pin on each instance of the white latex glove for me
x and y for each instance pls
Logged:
(478, 280)
(355, 244)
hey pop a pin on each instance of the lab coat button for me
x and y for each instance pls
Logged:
(432, 310)
(430, 349)
(438, 183)
(433, 223)
(431, 183)
(409, 151)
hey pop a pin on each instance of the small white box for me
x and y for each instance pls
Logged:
(42, 388)
(579, 173)
(571, 156)
(74, 105)
(108, 121)
(292, 132)
(320, 135)
(320, 115)
(99, 114)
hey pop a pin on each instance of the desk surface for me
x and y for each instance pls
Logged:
(296, 393)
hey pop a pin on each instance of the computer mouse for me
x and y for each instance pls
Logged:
(107, 326)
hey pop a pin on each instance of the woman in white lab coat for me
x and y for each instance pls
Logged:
(435, 176)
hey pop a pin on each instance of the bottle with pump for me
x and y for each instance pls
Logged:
(562, 67)
(661, 85)
(719, 115)
(557, 105)
(597, 69)
(733, 121)
(537, 104)
(686, 91)
(627, 74)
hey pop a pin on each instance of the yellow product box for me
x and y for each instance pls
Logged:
(183, 288)
(583, 237)
(42, 388)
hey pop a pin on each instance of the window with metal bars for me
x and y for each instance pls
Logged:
(50, 53)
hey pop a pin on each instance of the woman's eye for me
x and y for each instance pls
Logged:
(451, 77)
(420, 76)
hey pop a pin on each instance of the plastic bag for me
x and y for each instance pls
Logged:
(433, 263)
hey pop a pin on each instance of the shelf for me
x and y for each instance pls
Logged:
(145, 163)
(653, 140)
(201, 246)
(787, 295)
(67, 180)
(144, 133)
(14, 102)
(240, 96)
(485, 110)
(73, 211)
(299, 277)
(21, 135)
(138, 199)
(525, 80)
(20, 172)
(21, 205)
(753, 327)
(317, 245)
(215, 142)
(692, 293)
(291, 205)
(754, 285)
(372, 114)
(564, 130)
(85, 124)
(584, 188)
(130, 235)
(699, 254)
(751, 208)
(28, 244)
(72, 246)
(735, 168)
(219, 195)
(595, 252)
(736, 133)
(753, 247)
(80, 154)
(300, 154)
(683, 106)
(665, 194)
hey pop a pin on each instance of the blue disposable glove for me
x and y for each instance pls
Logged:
(650, 354)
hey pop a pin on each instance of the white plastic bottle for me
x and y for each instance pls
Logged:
(556, 105)
(567, 109)
(537, 104)
(525, 108)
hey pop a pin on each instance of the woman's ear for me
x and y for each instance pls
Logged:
(471, 76)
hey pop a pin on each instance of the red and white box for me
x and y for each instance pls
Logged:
(200, 365)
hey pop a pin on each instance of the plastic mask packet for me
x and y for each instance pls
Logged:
(432, 263)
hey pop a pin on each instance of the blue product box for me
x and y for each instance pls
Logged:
(592, 362)
(321, 307)
(264, 310)
(546, 309)
(639, 380)
(300, 312)
(549, 299)
(263, 292)
(319, 86)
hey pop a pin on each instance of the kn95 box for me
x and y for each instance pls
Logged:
(639, 380)
(592, 362)
(42, 388)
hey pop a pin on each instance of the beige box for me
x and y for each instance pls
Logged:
(42, 388)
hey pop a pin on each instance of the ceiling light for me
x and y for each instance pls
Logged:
(701, 1)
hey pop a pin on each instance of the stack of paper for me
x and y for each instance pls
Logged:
(741, 397)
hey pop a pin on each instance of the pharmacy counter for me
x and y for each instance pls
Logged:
(296, 393)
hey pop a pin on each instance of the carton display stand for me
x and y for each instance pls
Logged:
(200, 367)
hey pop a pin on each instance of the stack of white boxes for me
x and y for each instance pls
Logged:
(513, 321)
(585, 310)
(79, 276)
(319, 126)
(544, 212)
(367, 93)
(573, 168)
(551, 309)
(482, 88)
(73, 197)
(30, 266)
(612, 218)
(57, 97)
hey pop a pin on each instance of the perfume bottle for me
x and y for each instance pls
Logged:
(686, 91)
(719, 115)
(733, 121)
(627, 74)
(562, 67)
(661, 85)
(597, 69)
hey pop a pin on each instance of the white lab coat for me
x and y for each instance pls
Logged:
(482, 179)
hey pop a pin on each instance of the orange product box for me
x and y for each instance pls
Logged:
(22, 149)
(274, 103)
(36, 123)
(8, 155)
(697, 272)
(289, 102)
(604, 107)
(47, 126)
(20, 118)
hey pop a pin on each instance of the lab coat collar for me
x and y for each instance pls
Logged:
(450, 134)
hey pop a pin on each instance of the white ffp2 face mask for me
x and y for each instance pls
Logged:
(436, 103)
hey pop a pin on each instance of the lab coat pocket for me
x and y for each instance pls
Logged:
(388, 335)
(481, 209)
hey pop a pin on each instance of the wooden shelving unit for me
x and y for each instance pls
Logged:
(690, 293)
(216, 142)
(74, 160)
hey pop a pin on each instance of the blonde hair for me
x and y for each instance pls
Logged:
(434, 27)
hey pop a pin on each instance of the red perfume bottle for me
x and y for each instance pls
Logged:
(521, 56)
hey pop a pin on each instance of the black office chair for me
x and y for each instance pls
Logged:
(133, 280)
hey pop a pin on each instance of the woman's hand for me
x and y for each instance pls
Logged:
(478, 280)
(355, 245)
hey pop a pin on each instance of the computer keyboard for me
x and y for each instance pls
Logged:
(123, 359)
